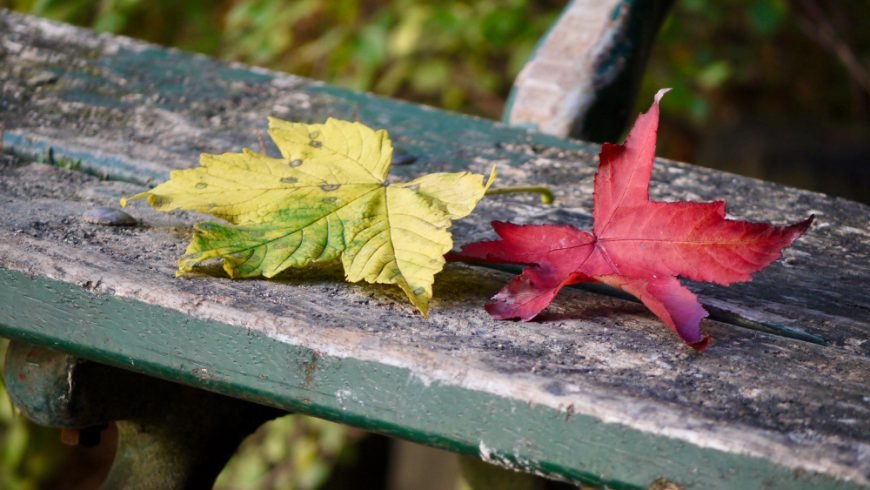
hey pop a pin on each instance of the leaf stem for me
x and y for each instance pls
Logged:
(545, 192)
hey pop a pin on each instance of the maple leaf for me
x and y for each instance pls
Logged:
(325, 198)
(636, 245)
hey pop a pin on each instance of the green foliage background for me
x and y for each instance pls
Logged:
(454, 54)
(720, 56)
(783, 71)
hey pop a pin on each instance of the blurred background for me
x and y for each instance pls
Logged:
(775, 89)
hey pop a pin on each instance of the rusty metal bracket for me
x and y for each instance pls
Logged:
(169, 436)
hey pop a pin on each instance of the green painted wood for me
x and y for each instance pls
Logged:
(249, 365)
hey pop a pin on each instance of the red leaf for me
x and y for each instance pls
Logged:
(637, 245)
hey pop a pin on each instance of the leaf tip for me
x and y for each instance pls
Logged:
(421, 303)
(124, 201)
(701, 345)
(231, 269)
(804, 225)
(272, 121)
(661, 93)
(490, 180)
(420, 297)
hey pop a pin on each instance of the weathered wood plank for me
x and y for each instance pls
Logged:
(584, 75)
(134, 111)
(611, 395)
(597, 393)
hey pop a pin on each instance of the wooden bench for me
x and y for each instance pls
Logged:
(596, 392)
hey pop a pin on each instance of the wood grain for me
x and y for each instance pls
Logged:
(755, 407)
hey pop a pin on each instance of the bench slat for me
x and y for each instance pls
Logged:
(600, 390)
(131, 110)
(532, 395)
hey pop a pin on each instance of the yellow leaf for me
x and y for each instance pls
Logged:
(325, 198)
